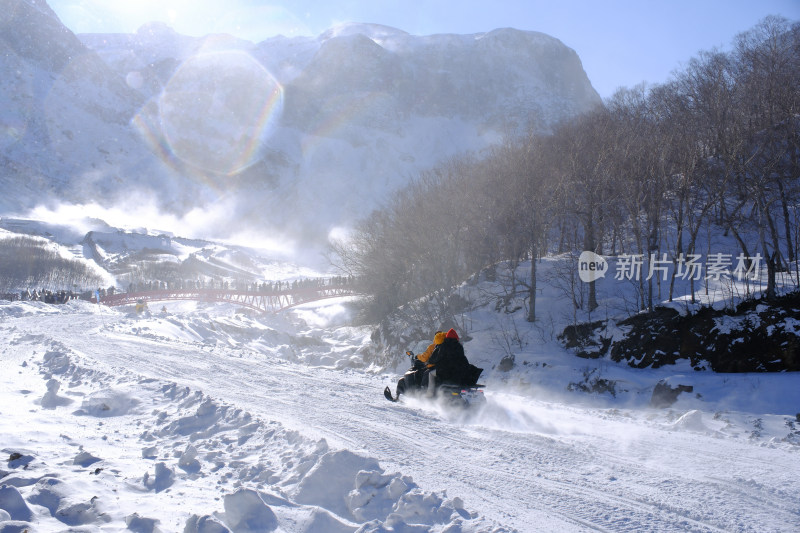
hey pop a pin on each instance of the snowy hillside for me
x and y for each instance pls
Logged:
(122, 257)
(261, 134)
(202, 419)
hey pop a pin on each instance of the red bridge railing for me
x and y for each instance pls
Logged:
(260, 301)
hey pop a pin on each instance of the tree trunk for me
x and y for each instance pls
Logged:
(589, 244)
(775, 240)
(770, 295)
(786, 223)
(532, 290)
(678, 250)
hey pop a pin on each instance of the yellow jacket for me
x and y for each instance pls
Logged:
(437, 340)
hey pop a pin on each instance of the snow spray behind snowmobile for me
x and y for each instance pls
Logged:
(460, 394)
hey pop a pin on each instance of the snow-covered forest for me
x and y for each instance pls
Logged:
(704, 164)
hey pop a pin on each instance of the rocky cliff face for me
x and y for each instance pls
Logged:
(64, 115)
(300, 134)
(501, 78)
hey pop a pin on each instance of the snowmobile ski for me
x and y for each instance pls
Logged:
(388, 394)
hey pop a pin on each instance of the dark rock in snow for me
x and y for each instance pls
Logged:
(506, 363)
(665, 395)
(582, 338)
(594, 384)
(17, 459)
(757, 336)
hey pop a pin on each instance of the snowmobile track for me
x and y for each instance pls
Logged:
(546, 472)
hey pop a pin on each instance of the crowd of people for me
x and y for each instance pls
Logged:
(270, 287)
(41, 295)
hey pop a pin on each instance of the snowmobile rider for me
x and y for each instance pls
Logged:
(447, 363)
(402, 386)
(438, 339)
(421, 370)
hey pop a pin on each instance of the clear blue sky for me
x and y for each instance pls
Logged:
(621, 42)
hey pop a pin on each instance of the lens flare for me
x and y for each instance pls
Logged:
(216, 112)
(12, 129)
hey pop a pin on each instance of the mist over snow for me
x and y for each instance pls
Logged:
(139, 214)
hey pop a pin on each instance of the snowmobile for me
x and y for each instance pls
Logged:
(453, 393)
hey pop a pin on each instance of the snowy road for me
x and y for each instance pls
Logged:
(526, 463)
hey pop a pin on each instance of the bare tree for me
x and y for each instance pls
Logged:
(585, 185)
(768, 59)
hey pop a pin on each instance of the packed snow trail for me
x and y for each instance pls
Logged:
(530, 464)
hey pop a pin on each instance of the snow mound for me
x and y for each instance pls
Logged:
(188, 460)
(356, 488)
(19, 309)
(140, 524)
(107, 403)
(204, 524)
(14, 526)
(246, 512)
(55, 362)
(418, 507)
(13, 504)
(85, 459)
(691, 421)
(376, 494)
(330, 481)
(163, 478)
(316, 519)
(55, 495)
(202, 422)
(51, 399)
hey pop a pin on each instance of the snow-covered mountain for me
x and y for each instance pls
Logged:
(298, 134)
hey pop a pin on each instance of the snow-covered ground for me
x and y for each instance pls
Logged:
(203, 418)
